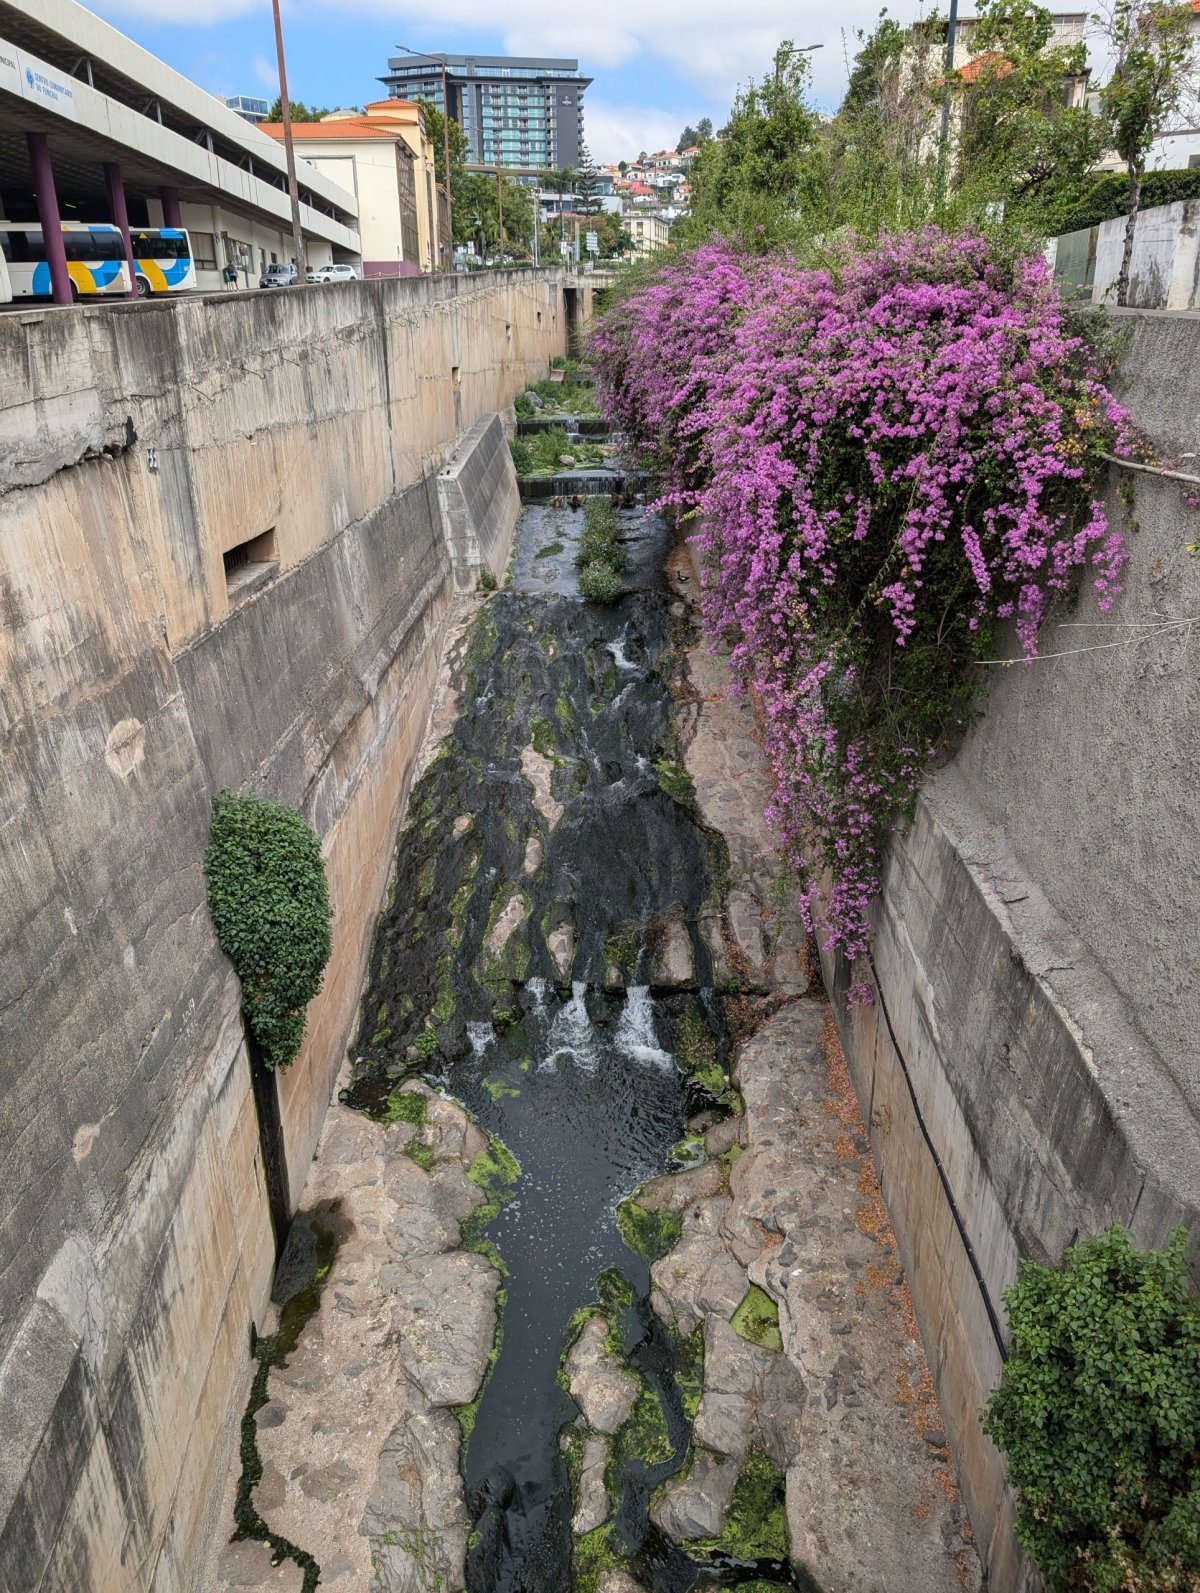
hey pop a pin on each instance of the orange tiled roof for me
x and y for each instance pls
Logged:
(973, 71)
(353, 127)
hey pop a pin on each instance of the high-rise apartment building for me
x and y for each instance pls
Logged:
(517, 111)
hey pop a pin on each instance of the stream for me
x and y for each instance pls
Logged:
(538, 959)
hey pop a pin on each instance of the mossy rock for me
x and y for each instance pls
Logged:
(757, 1319)
(649, 1234)
(756, 1526)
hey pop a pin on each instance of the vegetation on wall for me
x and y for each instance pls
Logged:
(1099, 1417)
(1107, 196)
(888, 457)
(270, 908)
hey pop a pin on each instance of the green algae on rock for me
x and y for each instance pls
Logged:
(757, 1319)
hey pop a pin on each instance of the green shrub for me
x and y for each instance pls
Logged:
(548, 448)
(270, 908)
(523, 405)
(522, 456)
(1107, 196)
(599, 583)
(1098, 1414)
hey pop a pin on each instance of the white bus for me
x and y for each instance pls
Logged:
(162, 259)
(96, 264)
(95, 260)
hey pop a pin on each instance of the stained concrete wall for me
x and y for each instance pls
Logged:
(1035, 952)
(1164, 272)
(140, 443)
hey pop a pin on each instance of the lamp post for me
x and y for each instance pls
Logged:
(944, 136)
(435, 55)
(288, 148)
(795, 49)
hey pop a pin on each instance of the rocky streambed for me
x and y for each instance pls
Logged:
(608, 1298)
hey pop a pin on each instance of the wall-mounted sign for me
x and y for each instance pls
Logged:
(36, 80)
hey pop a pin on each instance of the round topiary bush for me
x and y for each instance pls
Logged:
(1098, 1415)
(270, 908)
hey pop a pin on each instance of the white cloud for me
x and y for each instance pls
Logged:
(620, 132)
(267, 73)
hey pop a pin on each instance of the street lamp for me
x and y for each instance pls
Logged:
(289, 149)
(793, 49)
(435, 55)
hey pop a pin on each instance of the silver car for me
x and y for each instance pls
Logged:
(279, 276)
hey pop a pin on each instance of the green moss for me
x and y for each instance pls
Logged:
(621, 949)
(550, 551)
(426, 1044)
(495, 1171)
(541, 736)
(419, 1152)
(756, 1527)
(562, 712)
(687, 1152)
(270, 1352)
(511, 964)
(676, 782)
(643, 1437)
(406, 1106)
(648, 1234)
(425, 878)
(696, 1052)
(689, 1372)
(499, 1090)
(595, 1553)
(757, 1319)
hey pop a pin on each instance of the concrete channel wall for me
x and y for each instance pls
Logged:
(224, 561)
(1035, 952)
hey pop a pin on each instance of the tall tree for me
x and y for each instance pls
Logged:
(762, 183)
(703, 131)
(587, 197)
(1154, 76)
(299, 111)
(463, 229)
(687, 138)
(1027, 139)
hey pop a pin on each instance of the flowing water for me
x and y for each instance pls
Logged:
(522, 965)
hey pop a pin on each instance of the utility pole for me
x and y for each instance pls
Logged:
(944, 137)
(289, 149)
(426, 55)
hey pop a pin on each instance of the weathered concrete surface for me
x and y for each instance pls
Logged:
(1035, 948)
(480, 502)
(135, 1247)
(1164, 271)
(600, 1386)
(359, 1452)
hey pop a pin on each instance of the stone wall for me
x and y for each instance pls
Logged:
(1029, 1070)
(141, 444)
(1164, 272)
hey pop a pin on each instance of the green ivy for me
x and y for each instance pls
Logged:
(1098, 1414)
(270, 908)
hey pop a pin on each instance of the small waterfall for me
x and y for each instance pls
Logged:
(635, 1034)
(571, 1033)
(617, 649)
(481, 1035)
(537, 989)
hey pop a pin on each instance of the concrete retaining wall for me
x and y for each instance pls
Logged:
(1035, 952)
(141, 444)
(1164, 273)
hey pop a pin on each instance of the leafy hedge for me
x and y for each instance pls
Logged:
(1108, 196)
(1099, 1416)
(270, 907)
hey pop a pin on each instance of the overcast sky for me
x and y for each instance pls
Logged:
(657, 64)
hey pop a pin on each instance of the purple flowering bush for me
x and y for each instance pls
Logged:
(884, 460)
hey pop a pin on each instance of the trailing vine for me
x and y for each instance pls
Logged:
(886, 459)
(1099, 1417)
(270, 907)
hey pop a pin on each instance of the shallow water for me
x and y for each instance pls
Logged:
(578, 1083)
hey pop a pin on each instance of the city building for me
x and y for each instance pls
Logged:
(385, 158)
(93, 128)
(249, 106)
(519, 112)
(649, 232)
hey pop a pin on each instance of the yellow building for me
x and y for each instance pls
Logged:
(385, 158)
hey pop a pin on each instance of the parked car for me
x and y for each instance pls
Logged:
(333, 273)
(279, 276)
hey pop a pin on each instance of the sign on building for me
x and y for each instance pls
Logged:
(36, 80)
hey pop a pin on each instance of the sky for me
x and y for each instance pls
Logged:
(658, 65)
